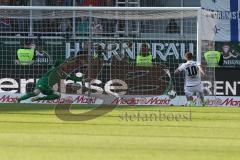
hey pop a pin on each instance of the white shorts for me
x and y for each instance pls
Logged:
(190, 91)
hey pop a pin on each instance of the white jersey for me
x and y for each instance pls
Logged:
(192, 73)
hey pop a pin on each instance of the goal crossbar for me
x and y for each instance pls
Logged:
(90, 8)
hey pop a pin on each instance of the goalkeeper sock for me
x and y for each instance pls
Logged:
(26, 96)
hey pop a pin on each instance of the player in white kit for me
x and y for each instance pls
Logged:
(192, 84)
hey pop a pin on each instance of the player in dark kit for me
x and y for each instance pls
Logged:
(45, 84)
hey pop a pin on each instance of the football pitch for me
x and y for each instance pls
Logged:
(33, 132)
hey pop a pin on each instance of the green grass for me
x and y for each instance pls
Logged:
(33, 132)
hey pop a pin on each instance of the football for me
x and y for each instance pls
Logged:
(172, 94)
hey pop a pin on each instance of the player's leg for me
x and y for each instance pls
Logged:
(49, 92)
(189, 95)
(200, 94)
(29, 95)
(52, 96)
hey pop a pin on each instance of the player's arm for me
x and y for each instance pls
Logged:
(201, 70)
(179, 69)
(176, 71)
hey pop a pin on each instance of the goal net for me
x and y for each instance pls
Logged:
(128, 54)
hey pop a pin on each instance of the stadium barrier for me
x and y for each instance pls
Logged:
(212, 101)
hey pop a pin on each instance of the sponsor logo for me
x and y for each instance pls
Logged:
(119, 50)
(160, 100)
(121, 78)
(221, 88)
(214, 102)
(7, 99)
(85, 100)
(231, 102)
(71, 99)
(141, 101)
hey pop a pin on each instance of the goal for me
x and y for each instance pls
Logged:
(129, 53)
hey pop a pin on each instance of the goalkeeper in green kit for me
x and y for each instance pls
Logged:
(45, 84)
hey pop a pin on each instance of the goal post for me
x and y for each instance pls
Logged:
(127, 52)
